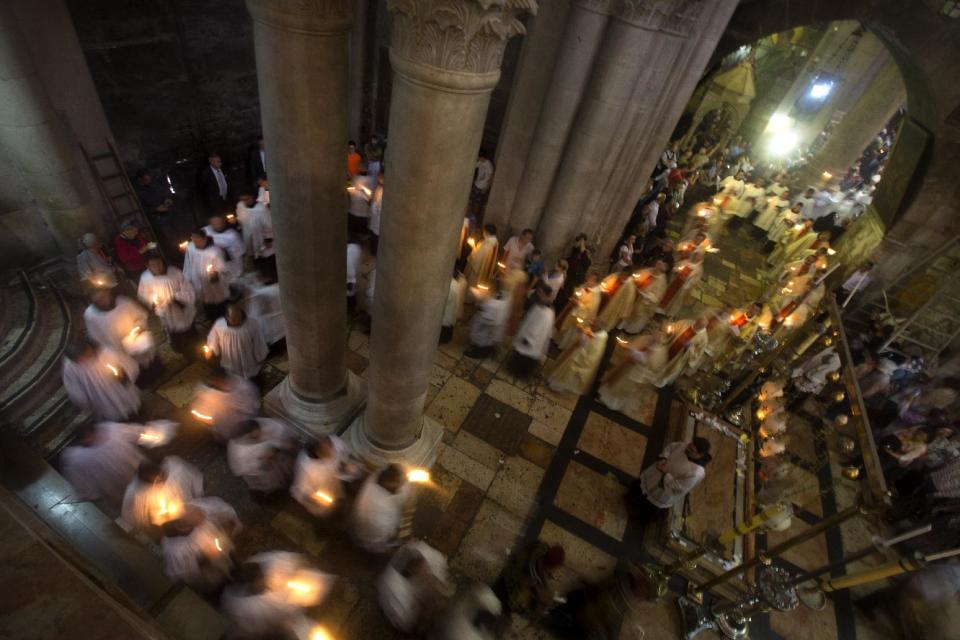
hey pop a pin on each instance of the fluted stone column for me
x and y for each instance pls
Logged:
(538, 56)
(653, 54)
(301, 51)
(35, 141)
(446, 57)
(862, 123)
(582, 37)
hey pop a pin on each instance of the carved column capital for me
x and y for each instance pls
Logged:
(676, 17)
(303, 16)
(460, 36)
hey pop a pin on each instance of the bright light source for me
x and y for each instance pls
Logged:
(779, 122)
(820, 90)
(782, 143)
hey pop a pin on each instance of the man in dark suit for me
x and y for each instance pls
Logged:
(257, 162)
(213, 186)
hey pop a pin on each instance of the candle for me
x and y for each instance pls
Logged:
(150, 436)
(319, 633)
(113, 370)
(483, 287)
(419, 476)
(231, 217)
(351, 189)
(621, 340)
(323, 497)
(835, 376)
(183, 245)
(99, 283)
(156, 299)
(578, 293)
(202, 417)
(471, 242)
(166, 507)
(718, 200)
(826, 175)
(669, 329)
(135, 332)
(501, 265)
(831, 251)
(713, 250)
(206, 351)
(209, 268)
(761, 414)
(839, 396)
(216, 543)
(366, 191)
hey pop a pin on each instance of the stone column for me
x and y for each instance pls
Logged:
(862, 123)
(35, 141)
(446, 57)
(582, 36)
(541, 47)
(358, 59)
(652, 57)
(301, 51)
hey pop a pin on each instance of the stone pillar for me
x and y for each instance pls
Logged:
(652, 57)
(446, 57)
(541, 47)
(36, 142)
(358, 59)
(582, 36)
(301, 51)
(862, 123)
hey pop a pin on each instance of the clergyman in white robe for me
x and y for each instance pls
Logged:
(178, 483)
(264, 307)
(121, 328)
(101, 380)
(200, 557)
(412, 578)
(378, 509)
(577, 367)
(231, 242)
(532, 339)
(228, 401)
(263, 457)
(488, 325)
(102, 463)
(320, 474)
(241, 347)
(207, 272)
(171, 297)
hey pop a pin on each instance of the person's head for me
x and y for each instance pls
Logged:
(661, 266)
(91, 241)
(151, 473)
(698, 450)
(699, 238)
(215, 161)
(536, 255)
(824, 236)
(526, 236)
(489, 231)
(392, 478)
(701, 323)
(102, 299)
(561, 266)
(234, 315)
(631, 238)
(199, 238)
(218, 222)
(129, 230)
(321, 449)
(414, 565)
(809, 192)
(739, 175)
(592, 279)
(483, 154)
(143, 176)
(86, 434)
(351, 147)
(797, 207)
(81, 350)
(581, 239)
(247, 199)
(250, 575)
(754, 309)
(156, 264)
(661, 198)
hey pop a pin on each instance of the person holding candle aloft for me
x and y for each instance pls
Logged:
(650, 285)
(101, 463)
(686, 348)
(239, 343)
(577, 366)
(230, 240)
(165, 290)
(322, 473)
(378, 509)
(196, 551)
(224, 402)
(119, 323)
(205, 268)
(101, 380)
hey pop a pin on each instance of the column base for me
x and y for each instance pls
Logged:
(317, 418)
(422, 453)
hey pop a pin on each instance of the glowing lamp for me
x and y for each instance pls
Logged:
(418, 476)
(782, 143)
(820, 90)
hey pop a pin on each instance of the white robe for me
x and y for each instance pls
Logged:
(230, 241)
(354, 253)
(264, 306)
(533, 337)
(112, 329)
(554, 280)
(103, 470)
(453, 308)
(242, 349)
(264, 464)
(667, 488)
(586, 306)
(312, 474)
(458, 622)
(377, 514)
(160, 292)
(196, 263)
(219, 512)
(489, 322)
(263, 196)
(91, 385)
(400, 597)
(257, 224)
(228, 408)
(649, 357)
(265, 614)
(692, 279)
(182, 484)
(196, 559)
(482, 263)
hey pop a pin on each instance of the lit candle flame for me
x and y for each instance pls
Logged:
(761, 414)
(206, 351)
(209, 268)
(201, 416)
(319, 633)
(299, 586)
(621, 340)
(831, 251)
(113, 370)
(216, 542)
(419, 476)
(135, 332)
(713, 250)
(367, 191)
(669, 329)
(501, 265)
(351, 189)
(183, 245)
(717, 200)
(156, 299)
(231, 217)
(149, 436)
(798, 226)
(99, 283)
(826, 175)
(483, 287)
(472, 243)
(578, 293)
(323, 497)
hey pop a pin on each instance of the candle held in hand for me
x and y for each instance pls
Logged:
(322, 497)
(202, 417)
(419, 476)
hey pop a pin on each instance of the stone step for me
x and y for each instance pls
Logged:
(18, 306)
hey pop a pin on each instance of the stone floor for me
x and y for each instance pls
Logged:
(519, 462)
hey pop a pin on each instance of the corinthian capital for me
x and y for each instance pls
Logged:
(677, 17)
(456, 35)
(303, 16)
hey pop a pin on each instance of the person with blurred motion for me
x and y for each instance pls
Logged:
(158, 493)
(224, 402)
(205, 268)
(378, 510)
(679, 468)
(101, 462)
(165, 290)
(262, 455)
(323, 474)
(412, 586)
(101, 380)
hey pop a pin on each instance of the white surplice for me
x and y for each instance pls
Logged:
(242, 349)
(533, 337)
(489, 322)
(103, 469)
(182, 483)
(667, 488)
(264, 463)
(112, 328)
(199, 264)
(91, 385)
(377, 514)
(264, 306)
(400, 597)
(576, 373)
(228, 408)
(257, 225)
(325, 475)
(230, 241)
(163, 292)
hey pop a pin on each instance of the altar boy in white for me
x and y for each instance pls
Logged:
(239, 342)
